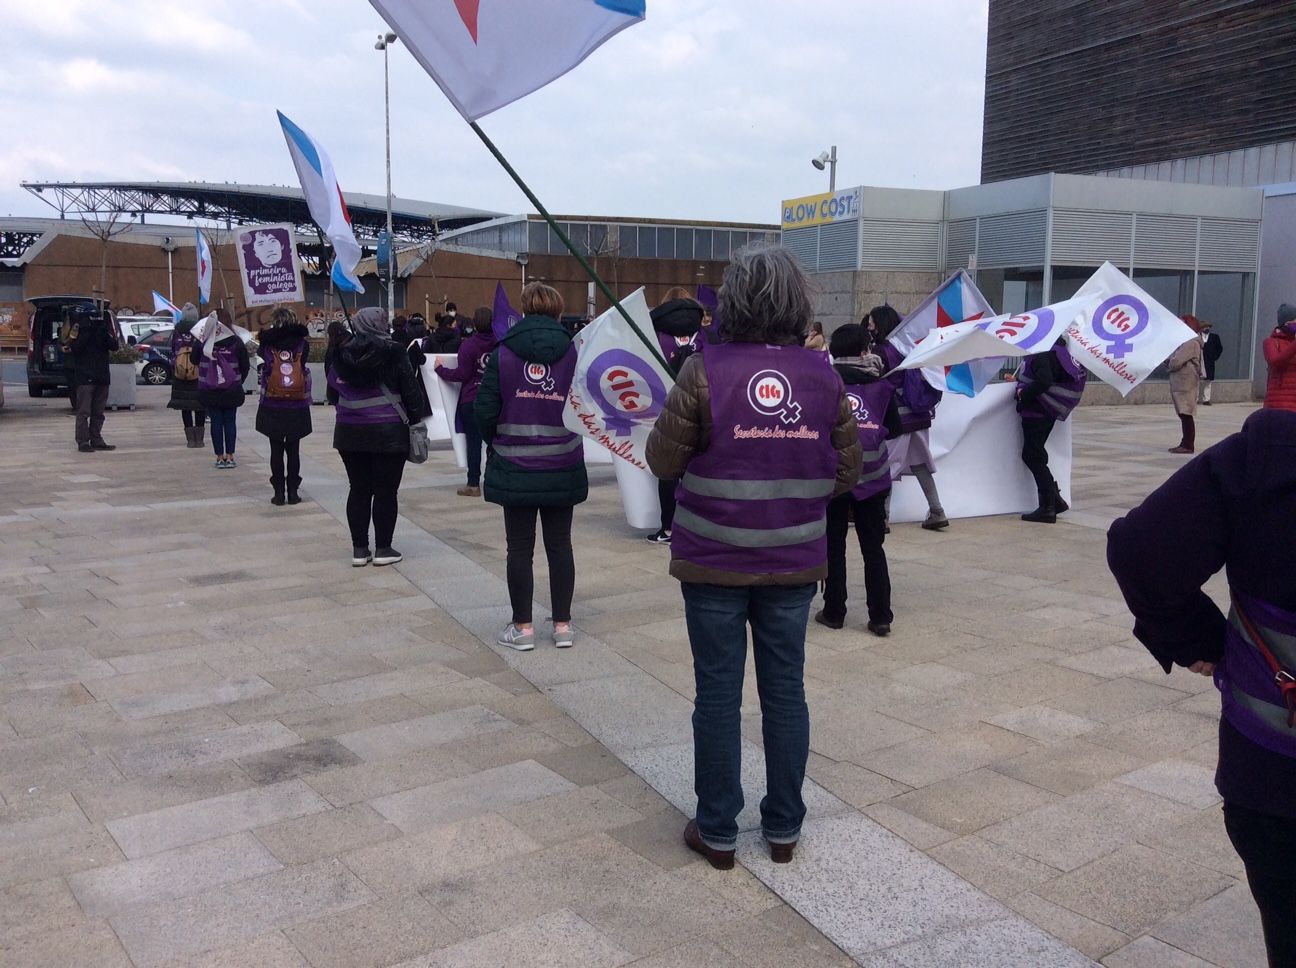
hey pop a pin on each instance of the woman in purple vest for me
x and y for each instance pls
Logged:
(372, 385)
(678, 322)
(1234, 507)
(468, 370)
(759, 433)
(283, 414)
(911, 451)
(223, 365)
(1049, 387)
(535, 466)
(873, 404)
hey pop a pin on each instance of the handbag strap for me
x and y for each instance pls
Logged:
(391, 398)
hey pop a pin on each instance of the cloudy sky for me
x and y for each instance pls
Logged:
(711, 109)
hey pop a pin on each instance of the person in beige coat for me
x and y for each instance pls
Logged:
(1185, 365)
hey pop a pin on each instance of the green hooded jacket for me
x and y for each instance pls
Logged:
(537, 339)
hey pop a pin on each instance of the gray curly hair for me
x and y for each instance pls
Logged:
(765, 297)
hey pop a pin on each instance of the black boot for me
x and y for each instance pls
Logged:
(1046, 513)
(1059, 505)
(278, 485)
(293, 496)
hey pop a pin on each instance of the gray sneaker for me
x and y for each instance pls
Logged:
(563, 638)
(514, 638)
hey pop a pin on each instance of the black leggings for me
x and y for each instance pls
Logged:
(288, 450)
(870, 528)
(1035, 435)
(375, 479)
(666, 495)
(519, 536)
(193, 418)
(1267, 846)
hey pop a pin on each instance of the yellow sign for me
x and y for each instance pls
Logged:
(802, 213)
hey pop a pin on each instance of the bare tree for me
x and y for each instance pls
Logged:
(105, 227)
(607, 245)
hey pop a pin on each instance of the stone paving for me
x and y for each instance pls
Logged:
(221, 745)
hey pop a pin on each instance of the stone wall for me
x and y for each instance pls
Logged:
(844, 297)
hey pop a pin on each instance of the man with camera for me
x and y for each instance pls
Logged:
(91, 336)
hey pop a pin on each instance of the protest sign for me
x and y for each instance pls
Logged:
(268, 265)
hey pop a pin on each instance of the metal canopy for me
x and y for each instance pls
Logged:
(235, 204)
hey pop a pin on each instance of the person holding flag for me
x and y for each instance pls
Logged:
(678, 323)
(535, 466)
(760, 436)
(917, 399)
(470, 365)
(1049, 387)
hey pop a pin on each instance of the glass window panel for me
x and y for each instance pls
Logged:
(1012, 290)
(598, 240)
(647, 242)
(720, 246)
(684, 244)
(1172, 288)
(665, 243)
(629, 242)
(537, 238)
(578, 232)
(1227, 300)
(702, 243)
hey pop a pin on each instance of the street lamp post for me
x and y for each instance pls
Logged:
(169, 246)
(384, 42)
(828, 159)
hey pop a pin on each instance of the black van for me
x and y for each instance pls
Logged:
(46, 369)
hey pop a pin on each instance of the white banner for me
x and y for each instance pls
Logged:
(618, 389)
(1128, 334)
(977, 444)
(268, 265)
(444, 397)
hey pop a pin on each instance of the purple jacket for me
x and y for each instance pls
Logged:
(470, 365)
(1233, 507)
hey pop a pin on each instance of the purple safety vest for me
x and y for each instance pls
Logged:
(362, 406)
(754, 501)
(1252, 699)
(220, 370)
(670, 345)
(868, 403)
(1063, 396)
(916, 399)
(530, 432)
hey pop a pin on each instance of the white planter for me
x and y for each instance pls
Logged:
(121, 391)
(319, 382)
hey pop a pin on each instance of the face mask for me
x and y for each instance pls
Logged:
(452, 313)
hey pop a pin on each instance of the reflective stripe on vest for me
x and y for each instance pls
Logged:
(1253, 694)
(531, 430)
(750, 537)
(1281, 645)
(364, 404)
(873, 475)
(536, 450)
(756, 490)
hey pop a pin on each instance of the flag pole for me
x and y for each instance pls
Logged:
(653, 348)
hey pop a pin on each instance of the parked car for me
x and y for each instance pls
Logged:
(154, 367)
(46, 369)
(137, 327)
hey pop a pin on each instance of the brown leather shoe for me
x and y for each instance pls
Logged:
(469, 491)
(721, 860)
(782, 853)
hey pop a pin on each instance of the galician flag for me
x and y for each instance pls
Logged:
(161, 304)
(504, 315)
(485, 54)
(956, 301)
(619, 388)
(324, 199)
(203, 261)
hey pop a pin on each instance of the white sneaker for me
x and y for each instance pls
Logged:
(515, 638)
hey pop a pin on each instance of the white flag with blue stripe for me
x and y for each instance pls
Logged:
(485, 54)
(203, 263)
(325, 201)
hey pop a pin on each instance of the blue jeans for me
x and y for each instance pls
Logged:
(224, 429)
(717, 620)
(473, 439)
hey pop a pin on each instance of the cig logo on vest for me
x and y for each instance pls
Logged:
(626, 390)
(770, 394)
(858, 410)
(538, 375)
(1117, 321)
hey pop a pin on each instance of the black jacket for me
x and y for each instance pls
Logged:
(282, 422)
(365, 361)
(93, 338)
(443, 339)
(231, 396)
(184, 393)
(1046, 370)
(1212, 350)
(537, 339)
(679, 317)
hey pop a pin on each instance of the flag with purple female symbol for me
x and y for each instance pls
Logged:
(1127, 334)
(504, 315)
(619, 387)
